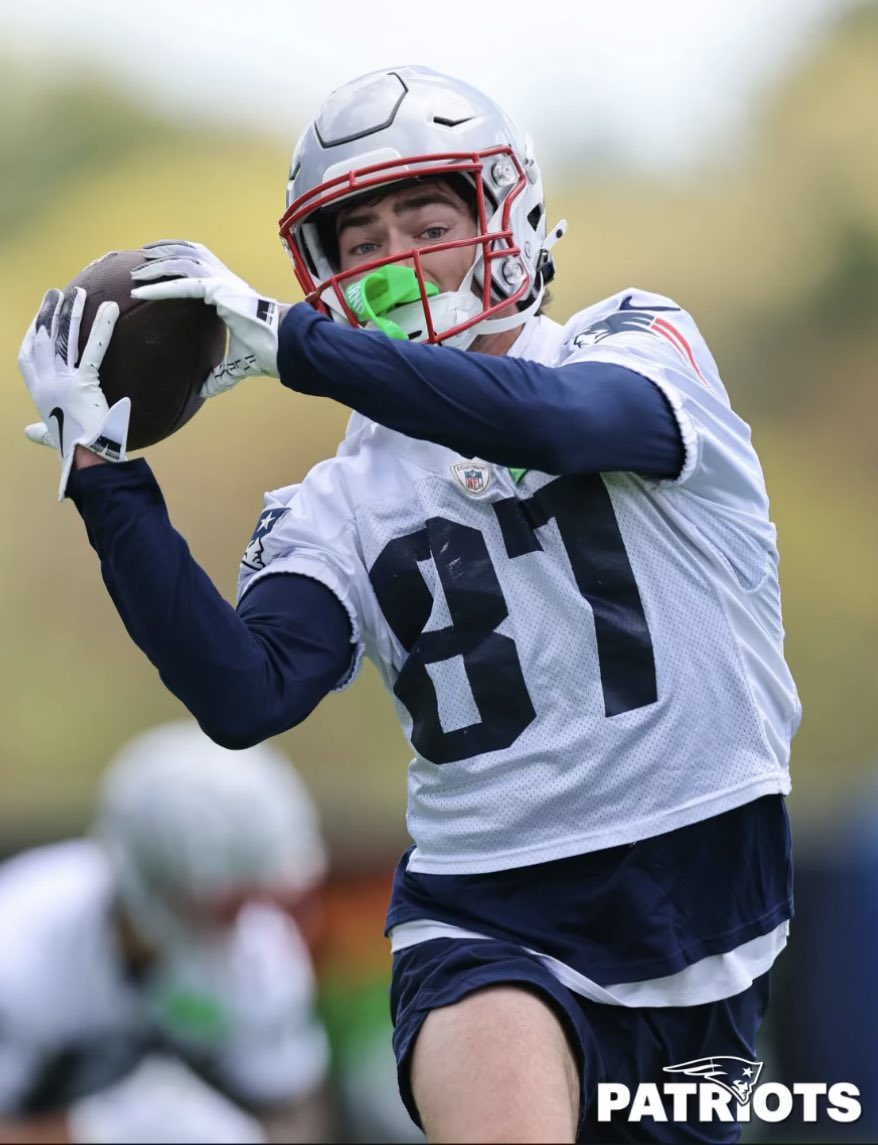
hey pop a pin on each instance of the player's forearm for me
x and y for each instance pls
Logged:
(48, 1129)
(243, 677)
(582, 418)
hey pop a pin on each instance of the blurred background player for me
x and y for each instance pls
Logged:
(155, 979)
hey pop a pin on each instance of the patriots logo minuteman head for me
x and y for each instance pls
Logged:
(254, 554)
(620, 323)
(737, 1075)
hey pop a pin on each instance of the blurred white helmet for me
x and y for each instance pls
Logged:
(186, 822)
(404, 123)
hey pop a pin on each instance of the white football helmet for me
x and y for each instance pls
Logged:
(188, 824)
(405, 123)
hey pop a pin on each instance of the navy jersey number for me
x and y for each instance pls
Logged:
(477, 606)
(582, 510)
(583, 513)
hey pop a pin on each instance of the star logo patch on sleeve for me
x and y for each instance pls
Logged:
(254, 554)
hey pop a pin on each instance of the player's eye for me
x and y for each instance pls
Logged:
(434, 234)
(362, 249)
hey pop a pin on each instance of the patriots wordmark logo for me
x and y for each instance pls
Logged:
(254, 554)
(724, 1089)
(630, 318)
(474, 476)
(737, 1075)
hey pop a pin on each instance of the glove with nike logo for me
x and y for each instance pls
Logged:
(65, 388)
(252, 320)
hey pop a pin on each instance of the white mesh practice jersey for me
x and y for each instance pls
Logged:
(72, 1021)
(578, 662)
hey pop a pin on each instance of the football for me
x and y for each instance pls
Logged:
(160, 352)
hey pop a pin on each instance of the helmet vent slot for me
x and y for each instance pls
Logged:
(444, 121)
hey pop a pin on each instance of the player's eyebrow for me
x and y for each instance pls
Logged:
(427, 198)
(345, 222)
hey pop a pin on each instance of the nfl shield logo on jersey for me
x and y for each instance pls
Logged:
(474, 476)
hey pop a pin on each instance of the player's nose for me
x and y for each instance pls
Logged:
(398, 242)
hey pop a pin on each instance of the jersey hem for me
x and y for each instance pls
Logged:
(689, 813)
(636, 970)
(704, 980)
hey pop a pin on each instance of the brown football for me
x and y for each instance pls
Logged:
(160, 352)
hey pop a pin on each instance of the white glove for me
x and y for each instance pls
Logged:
(159, 1102)
(252, 320)
(69, 396)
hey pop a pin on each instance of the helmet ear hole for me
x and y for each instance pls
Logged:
(545, 268)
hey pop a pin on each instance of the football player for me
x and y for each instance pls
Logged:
(154, 982)
(554, 543)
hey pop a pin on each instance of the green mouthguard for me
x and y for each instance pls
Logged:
(382, 290)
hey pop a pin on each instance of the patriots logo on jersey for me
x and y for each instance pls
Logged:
(639, 318)
(737, 1075)
(254, 554)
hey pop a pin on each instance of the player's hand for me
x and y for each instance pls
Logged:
(65, 390)
(161, 1101)
(252, 320)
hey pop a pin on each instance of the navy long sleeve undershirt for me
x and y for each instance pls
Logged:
(245, 675)
(587, 417)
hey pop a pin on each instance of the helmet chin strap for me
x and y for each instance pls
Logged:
(493, 325)
(499, 325)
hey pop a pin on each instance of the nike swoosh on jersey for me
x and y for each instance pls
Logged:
(626, 304)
